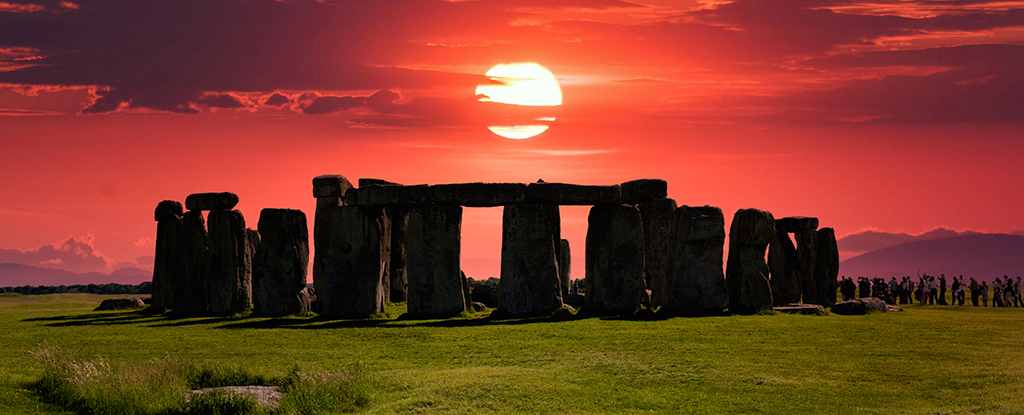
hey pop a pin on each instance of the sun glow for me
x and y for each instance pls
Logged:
(526, 84)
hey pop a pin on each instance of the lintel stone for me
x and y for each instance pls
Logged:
(796, 224)
(330, 185)
(573, 194)
(383, 195)
(211, 201)
(479, 194)
(643, 190)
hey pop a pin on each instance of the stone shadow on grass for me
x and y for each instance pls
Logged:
(98, 318)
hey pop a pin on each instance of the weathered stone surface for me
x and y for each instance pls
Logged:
(859, 306)
(280, 263)
(370, 182)
(746, 272)
(252, 241)
(488, 295)
(121, 304)
(796, 224)
(891, 308)
(354, 265)
(478, 306)
(614, 259)
(659, 219)
(383, 195)
(167, 209)
(826, 268)
(211, 201)
(479, 194)
(321, 236)
(467, 295)
(643, 191)
(399, 284)
(572, 194)
(807, 260)
(783, 266)
(574, 301)
(433, 248)
(564, 266)
(228, 264)
(167, 267)
(812, 309)
(330, 185)
(529, 269)
(193, 249)
(697, 285)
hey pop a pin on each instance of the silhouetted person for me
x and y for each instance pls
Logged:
(942, 289)
(997, 293)
(984, 294)
(957, 288)
(865, 287)
(975, 291)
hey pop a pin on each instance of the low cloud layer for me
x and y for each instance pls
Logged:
(75, 254)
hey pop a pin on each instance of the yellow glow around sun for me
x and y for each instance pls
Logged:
(527, 84)
(522, 84)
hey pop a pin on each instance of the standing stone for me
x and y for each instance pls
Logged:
(228, 264)
(467, 295)
(747, 273)
(194, 247)
(529, 280)
(697, 285)
(783, 266)
(280, 263)
(826, 267)
(807, 261)
(325, 207)
(354, 262)
(252, 240)
(659, 218)
(167, 272)
(399, 284)
(614, 259)
(433, 246)
(564, 267)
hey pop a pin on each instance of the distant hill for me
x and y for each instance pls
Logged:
(982, 256)
(13, 275)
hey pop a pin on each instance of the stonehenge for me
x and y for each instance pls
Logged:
(382, 242)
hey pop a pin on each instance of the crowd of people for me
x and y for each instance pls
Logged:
(927, 290)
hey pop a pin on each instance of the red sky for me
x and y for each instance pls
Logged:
(890, 116)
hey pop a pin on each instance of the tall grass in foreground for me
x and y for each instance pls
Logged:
(159, 387)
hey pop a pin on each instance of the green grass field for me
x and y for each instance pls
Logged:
(927, 360)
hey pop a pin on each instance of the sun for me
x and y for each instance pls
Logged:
(526, 84)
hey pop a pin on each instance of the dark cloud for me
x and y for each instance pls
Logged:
(277, 100)
(74, 254)
(220, 100)
(332, 104)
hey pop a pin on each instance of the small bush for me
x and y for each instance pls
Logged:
(10, 294)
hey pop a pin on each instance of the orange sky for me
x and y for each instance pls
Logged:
(899, 117)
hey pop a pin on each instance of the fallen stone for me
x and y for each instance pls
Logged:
(228, 264)
(697, 285)
(193, 245)
(488, 295)
(614, 260)
(807, 260)
(796, 224)
(645, 301)
(433, 249)
(211, 201)
(168, 209)
(891, 308)
(826, 268)
(121, 304)
(859, 306)
(354, 264)
(479, 194)
(643, 191)
(529, 280)
(574, 300)
(477, 306)
(783, 267)
(659, 219)
(280, 263)
(383, 195)
(572, 194)
(267, 397)
(564, 266)
(746, 272)
(330, 185)
(811, 309)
